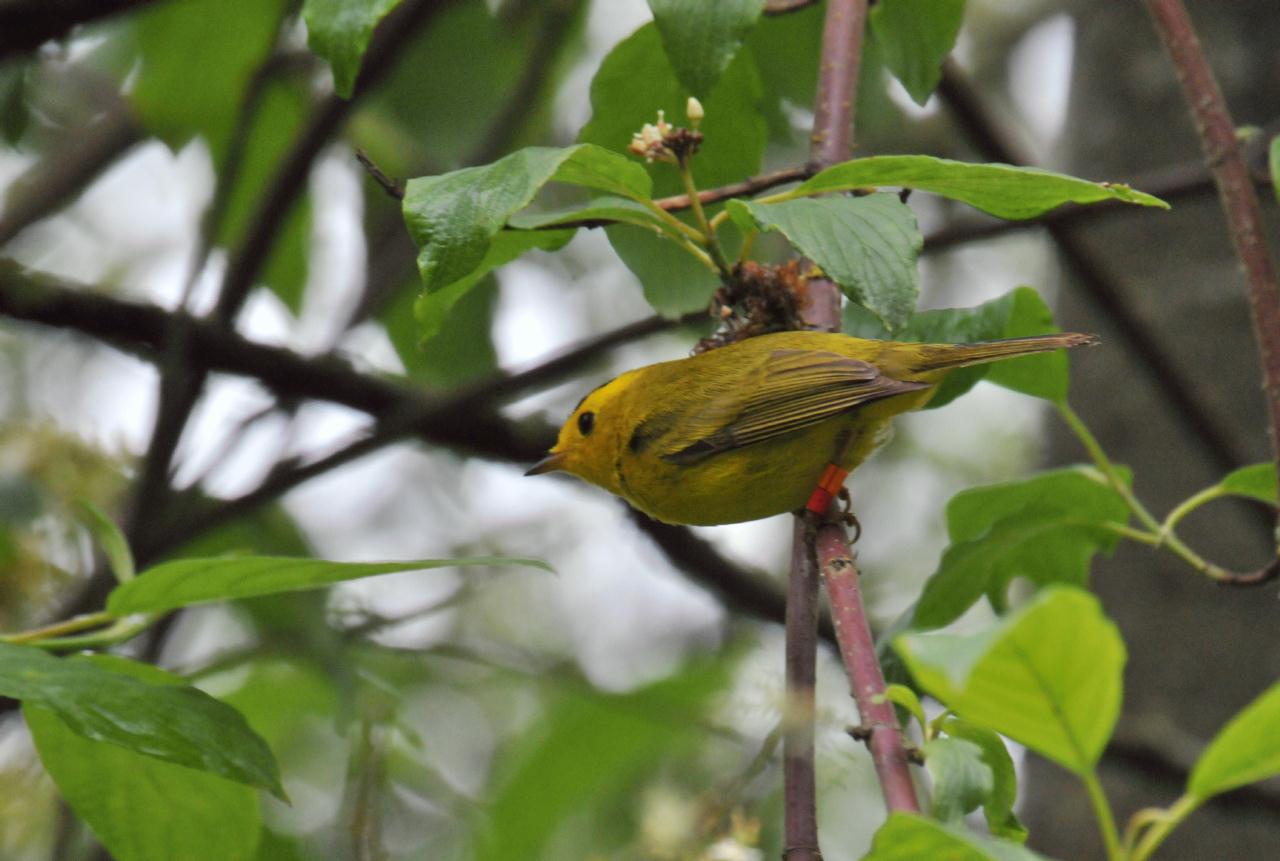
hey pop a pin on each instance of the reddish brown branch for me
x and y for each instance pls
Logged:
(858, 651)
(1239, 203)
(749, 186)
(832, 138)
(799, 785)
(786, 7)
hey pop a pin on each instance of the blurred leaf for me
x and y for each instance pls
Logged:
(1046, 528)
(268, 531)
(702, 38)
(903, 696)
(20, 500)
(183, 582)
(962, 781)
(588, 747)
(339, 31)
(1019, 313)
(197, 57)
(912, 837)
(635, 81)
(175, 723)
(674, 281)
(461, 351)
(867, 245)
(1273, 162)
(1048, 676)
(785, 51)
(432, 309)
(998, 804)
(454, 217)
(1001, 190)
(278, 694)
(15, 113)
(1257, 482)
(109, 537)
(1246, 750)
(121, 793)
(915, 36)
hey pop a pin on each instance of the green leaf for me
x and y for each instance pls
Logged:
(1049, 676)
(183, 582)
(174, 723)
(589, 747)
(1046, 528)
(1257, 482)
(702, 38)
(109, 537)
(635, 81)
(454, 217)
(911, 837)
(902, 695)
(783, 48)
(119, 792)
(461, 351)
(915, 37)
(1246, 750)
(1273, 162)
(339, 31)
(1018, 313)
(224, 41)
(1002, 190)
(961, 778)
(998, 804)
(867, 245)
(432, 310)
(674, 281)
(617, 209)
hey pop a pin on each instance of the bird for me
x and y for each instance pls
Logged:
(765, 425)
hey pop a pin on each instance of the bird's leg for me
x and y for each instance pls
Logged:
(831, 486)
(846, 516)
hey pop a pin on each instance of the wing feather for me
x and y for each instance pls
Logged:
(796, 389)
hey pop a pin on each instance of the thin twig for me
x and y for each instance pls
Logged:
(393, 188)
(1239, 203)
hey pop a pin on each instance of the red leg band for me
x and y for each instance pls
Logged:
(828, 486)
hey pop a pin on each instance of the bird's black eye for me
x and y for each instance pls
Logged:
(586, 422)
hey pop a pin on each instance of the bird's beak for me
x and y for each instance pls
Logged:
(553, 461)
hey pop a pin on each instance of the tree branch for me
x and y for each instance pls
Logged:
(858, 651)
(27, 24)
(1239, 203)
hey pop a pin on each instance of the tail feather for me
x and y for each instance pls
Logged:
(937, 357)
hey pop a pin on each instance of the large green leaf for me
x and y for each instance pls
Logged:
(589, 748)
(867, 245)
(339, 31)
(1247, 749)
(635, 81)
(455, 217)
(911, 837)
(120, 793)
(915, 36)
(461, 350)
(183, 582)
(702, 38)
(1046, 528)
(999, 189)
(1018, 313)
(1049, 676)
(962, 781)
(174, 723)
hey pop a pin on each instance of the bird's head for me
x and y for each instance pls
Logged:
(592, 438)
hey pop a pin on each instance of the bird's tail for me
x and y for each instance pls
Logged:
(939, 357)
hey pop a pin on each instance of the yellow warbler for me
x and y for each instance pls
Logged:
(747, 430)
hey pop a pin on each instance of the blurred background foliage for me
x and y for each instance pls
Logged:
(617, 709)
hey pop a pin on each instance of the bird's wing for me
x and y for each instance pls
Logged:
(795, 389)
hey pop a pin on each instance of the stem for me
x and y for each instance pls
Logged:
(68, 626)
(858, 651)
(708, 232)
(1156, 834)
(798, 781)
(1167, 537)
(678, 227)
(1102, 810)
(1189, 505)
